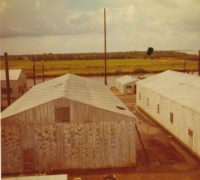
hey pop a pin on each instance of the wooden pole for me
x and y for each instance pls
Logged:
(42, 70)
(33, 59)
(199, 64)
(105, 55)
(7, 79)
(184, 66)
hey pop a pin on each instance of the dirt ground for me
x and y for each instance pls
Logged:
(159, 155)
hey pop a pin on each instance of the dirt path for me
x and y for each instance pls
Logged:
(148, 176)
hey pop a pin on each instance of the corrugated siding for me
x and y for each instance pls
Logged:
(11, 148)
(71, 146)
(94, 138)
(17, 82)
(184, 118)
(123, 87)
(79, 112)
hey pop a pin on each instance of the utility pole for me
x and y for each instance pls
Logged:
(105, 58)
(184, 65)
(42, 70)
(7, 78)
(33, 59)
(199, 64)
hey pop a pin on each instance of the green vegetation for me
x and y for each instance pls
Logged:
(96, 67)
(110, 55)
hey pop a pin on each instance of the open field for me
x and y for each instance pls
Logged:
(96, 67)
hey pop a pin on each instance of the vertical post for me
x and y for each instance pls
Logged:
(42, 70)
(199, 64)
(33, 59)
(7, 78)
(105, 58)
(184, 65)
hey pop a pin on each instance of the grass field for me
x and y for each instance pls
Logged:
(96, 67)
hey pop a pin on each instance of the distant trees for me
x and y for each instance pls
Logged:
(111, 55)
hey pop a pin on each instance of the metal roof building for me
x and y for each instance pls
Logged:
(70, 87)
(17, 85)
(126, 84)
(76, 122)
(173, 100)
(14, 74)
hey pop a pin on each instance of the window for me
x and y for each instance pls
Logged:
(129, 87)
(140, 96)
(62, 114)
(171, 117)
(158, 108)
(4, 90)
(190, 133)
(147, 101)
(135, 89)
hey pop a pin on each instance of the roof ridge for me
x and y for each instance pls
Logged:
(70, 86)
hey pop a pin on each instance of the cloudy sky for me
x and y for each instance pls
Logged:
(63, 26)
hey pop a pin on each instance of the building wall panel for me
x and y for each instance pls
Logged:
(94, 138)
(14, 85)
(11, 150)
(70, 146)
(184, 118)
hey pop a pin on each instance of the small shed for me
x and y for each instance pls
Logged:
(126, 84)
(17, 85)
(69, 122)
(172, 99)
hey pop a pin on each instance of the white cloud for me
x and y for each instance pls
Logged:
(3, 6)
(131, 24)
(37, 4)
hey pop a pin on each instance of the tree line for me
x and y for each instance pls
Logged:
(110, 55)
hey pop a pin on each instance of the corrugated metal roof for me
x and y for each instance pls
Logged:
(71, 87)
(13, 74)
(126, 79)
(48, 177)
(180, 87)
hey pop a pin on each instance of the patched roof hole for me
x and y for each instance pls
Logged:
(121, 108)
